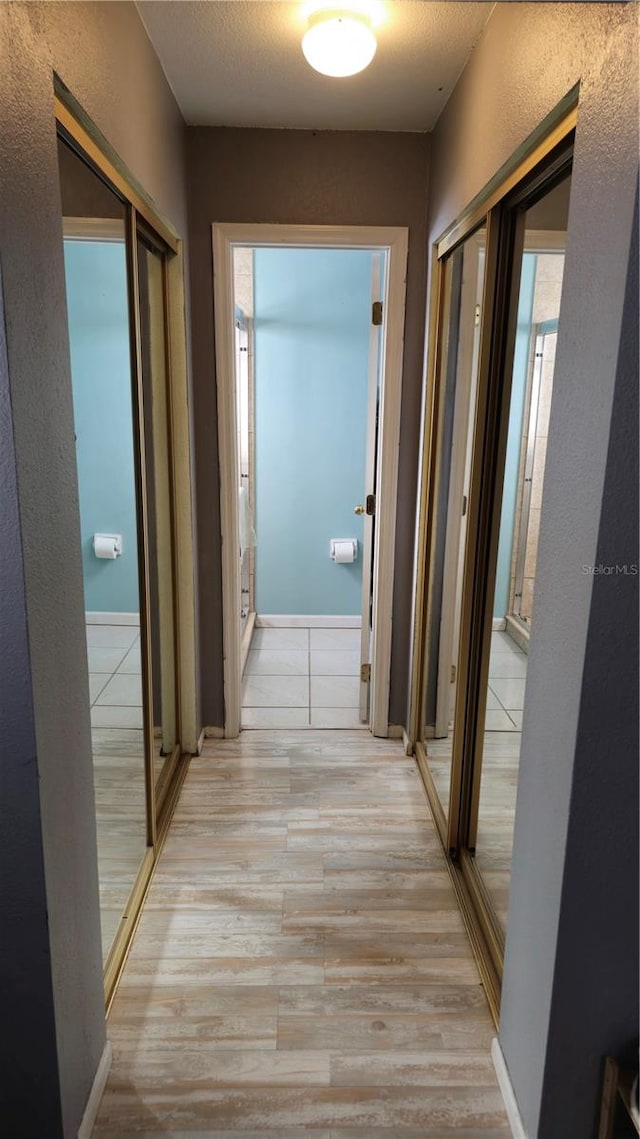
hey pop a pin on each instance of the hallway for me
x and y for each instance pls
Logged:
(301, 965)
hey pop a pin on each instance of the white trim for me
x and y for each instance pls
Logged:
(286, 621)
(93, 229)
(499, 624)
(507, 1092)
(246, 639)
(518, 632)
(213, 733)
(394, 732)
(406, 743)
(95, 618)
(545, 241)
(369, 486)
(393, 240)
(90, 1113)
(200, 743)
(538, 240)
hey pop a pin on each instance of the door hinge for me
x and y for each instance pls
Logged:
(365, 673)
(464, 505)
(477, 315)
(376, 312)
(370, 504)
(453, 673)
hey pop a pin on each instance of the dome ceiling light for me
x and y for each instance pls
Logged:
(339, 42)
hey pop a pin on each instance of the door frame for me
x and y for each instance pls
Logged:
(375, 333)
(392, 240)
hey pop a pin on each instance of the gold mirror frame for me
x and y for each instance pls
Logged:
(75, 129)
(544, 157)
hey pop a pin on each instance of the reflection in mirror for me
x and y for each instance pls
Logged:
(158, 502)
(513, 617)
(98, 316)
(243, 259)
(463, 294)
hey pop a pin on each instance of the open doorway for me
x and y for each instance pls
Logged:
(307, 367)
(308, 332)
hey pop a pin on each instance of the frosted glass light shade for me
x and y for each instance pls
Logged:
(339, 43)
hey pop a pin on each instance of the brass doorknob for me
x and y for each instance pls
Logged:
(358, 510)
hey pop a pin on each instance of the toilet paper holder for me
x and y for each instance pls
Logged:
(343, 550)
(107, 545)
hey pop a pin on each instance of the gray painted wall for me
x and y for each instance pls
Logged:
(528, 58)
(102, 53)
(306, 177)
(594, 1009)
(25, 961)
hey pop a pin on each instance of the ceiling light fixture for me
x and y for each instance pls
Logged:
(339, 42)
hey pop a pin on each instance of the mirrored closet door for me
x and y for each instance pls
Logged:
(495, 326)
(117, 308)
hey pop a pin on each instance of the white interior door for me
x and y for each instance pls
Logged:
(458, 497)
(367, 508)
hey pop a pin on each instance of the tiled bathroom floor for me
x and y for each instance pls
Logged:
(507, 679)
(302, 678)
(114, 676)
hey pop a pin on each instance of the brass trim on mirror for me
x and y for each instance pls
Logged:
(429, 412)
(140, 460)
(533, 170)
(552, 132)
(75, 130)
(121, 942)
(437, 809)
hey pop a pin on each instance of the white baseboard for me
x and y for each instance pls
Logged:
(518, 632)
(112, 618)
(508, 1095)
(285, 621)
(87, 1123)
(200, 743)
(245, 643)
(395, 731)
(499, 624)
(406, 743)
(213, 733)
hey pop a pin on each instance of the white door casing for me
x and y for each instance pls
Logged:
(375, 338)
(392, 241)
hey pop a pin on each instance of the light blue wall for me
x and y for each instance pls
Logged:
(516, 416)
(312, 321)
(101, 374)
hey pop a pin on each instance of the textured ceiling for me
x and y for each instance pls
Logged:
(239, 63)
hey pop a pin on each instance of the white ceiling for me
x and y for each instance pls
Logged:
(239, 63)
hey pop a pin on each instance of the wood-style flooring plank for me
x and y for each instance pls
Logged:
(301, 967)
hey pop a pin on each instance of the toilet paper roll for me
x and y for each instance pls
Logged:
(344, 551)
(105, 546)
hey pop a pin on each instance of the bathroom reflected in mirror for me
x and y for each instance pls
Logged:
(94, 226)
(513, 616)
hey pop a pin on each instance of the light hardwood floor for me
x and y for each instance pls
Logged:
(301, 966)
